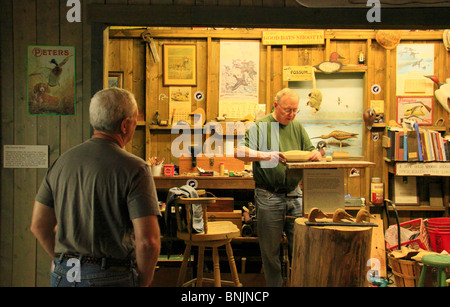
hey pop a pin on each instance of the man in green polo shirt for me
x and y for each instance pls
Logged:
(264, 144)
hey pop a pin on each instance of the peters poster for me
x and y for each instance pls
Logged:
(51, 80)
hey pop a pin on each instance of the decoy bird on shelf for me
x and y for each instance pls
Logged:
(369, 117)
(52, 75)
(338, 135)
(321, 145)
(361, 215)
(315, 97)
(443, 92)
(332, 65)
(340, 214)
(316, 213)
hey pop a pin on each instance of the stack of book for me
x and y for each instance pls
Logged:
(417, 144)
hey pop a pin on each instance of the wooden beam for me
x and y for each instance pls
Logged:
(263, 17)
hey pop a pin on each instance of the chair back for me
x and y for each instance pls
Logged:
(184, 223)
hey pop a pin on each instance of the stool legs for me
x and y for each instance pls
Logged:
(217, 282)
(441, 277)
(201, 257)
(422, 276)
(182, 274)
(232, 263)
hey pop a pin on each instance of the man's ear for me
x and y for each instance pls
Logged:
(124, 126)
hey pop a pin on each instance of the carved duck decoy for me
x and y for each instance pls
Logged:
(369, 117)
(314, 214)
(361, 215)
(332, 65)
(321, 145)
(340, 214)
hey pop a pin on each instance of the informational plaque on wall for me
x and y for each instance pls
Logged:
(25, 156)
(323, 189)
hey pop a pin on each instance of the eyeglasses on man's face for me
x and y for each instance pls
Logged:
(289, 111)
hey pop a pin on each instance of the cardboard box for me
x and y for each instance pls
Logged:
(405, 191)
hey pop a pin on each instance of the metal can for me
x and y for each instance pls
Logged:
(376, 191)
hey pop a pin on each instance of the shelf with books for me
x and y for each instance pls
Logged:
(416, 145)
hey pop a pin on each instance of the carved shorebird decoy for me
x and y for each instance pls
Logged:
(315, 213)
(340, 214)
(338, 135)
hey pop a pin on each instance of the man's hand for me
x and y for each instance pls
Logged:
(315, 156)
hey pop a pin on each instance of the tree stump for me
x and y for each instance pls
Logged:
(330, 256)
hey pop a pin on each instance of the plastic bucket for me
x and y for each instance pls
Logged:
(439, 221)
(439, 240)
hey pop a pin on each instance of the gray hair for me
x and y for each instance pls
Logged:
(109, 107)
(288, 92)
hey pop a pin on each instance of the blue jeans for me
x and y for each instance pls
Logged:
(271, 209)
(91, 275)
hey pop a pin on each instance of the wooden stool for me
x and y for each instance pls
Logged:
(441, 262)
(215, 234)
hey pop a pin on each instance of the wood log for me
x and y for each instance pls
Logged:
(330, 256)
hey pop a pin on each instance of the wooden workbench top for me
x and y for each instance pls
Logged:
(206, 182)
(331, 164)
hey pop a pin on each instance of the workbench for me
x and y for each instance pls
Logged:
(315, 167)
(206, 182)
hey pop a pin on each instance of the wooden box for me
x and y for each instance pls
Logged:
(222, 204)
(235, 217)
(210, 164)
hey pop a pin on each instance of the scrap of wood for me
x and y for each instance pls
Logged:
(378, 250)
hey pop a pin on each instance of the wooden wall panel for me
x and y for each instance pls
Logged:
(7, 137)
(24, 244)
(48, 126)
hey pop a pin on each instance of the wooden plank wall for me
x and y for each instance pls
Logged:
(29, 22)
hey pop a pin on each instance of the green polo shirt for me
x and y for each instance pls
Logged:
(269, 135)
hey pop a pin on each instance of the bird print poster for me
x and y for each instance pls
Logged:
(239, 78)
(414, 62)
(51, 80)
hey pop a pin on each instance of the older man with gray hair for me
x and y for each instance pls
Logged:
(96, 211)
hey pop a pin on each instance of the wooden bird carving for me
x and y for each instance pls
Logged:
(332, 65)
(442, 93)
(315, 97)
(321, 145)
(361, 215)
(315, 213)
(340, 214)
(369, 117)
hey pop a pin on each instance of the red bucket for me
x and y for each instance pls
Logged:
(439, 221)
(439, 240)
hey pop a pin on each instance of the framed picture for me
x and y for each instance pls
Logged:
(180, 65)
(51, 75)
(115, 79)
(419, 108)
